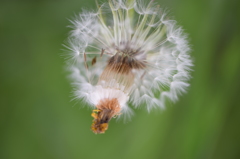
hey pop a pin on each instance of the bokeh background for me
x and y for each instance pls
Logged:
(38, 120)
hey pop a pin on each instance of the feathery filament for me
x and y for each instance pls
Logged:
(127, 52)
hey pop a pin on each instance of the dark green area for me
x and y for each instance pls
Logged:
(38, 121)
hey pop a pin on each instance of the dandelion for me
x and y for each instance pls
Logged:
(127, 53)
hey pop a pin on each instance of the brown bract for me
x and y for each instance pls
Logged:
(119, 69)
(124, 63)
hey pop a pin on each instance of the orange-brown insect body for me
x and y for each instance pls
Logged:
(106, 109)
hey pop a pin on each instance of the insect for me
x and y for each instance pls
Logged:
(127, 52)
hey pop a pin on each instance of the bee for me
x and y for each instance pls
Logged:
(107, 109)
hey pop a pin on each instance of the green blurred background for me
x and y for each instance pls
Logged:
(37, 119)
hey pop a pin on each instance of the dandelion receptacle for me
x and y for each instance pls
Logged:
(125, 53)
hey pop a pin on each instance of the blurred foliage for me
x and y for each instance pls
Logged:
(37, 119)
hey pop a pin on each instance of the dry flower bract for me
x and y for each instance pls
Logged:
(127, 52)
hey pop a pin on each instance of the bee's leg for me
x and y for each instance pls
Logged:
(95, 113)
(96, 110)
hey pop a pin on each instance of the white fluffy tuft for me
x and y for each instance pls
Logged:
(133, 25)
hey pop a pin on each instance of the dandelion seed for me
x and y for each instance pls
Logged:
(128, 52)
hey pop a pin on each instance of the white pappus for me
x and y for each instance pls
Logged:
(127, 52)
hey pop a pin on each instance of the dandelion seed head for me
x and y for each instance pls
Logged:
(127, 52)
